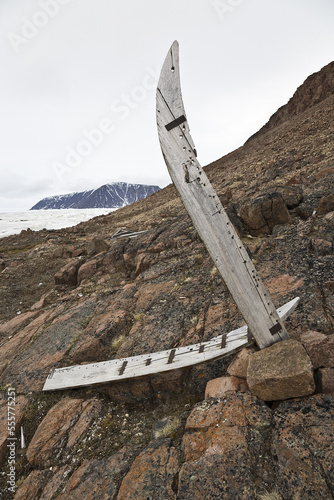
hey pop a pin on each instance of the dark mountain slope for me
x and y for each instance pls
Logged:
(316, 88)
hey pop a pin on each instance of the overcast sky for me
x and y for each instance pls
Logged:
(78, 79)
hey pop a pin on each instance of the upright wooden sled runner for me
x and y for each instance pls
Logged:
(264, 323)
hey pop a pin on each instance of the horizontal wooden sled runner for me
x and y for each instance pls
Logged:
(156, 362)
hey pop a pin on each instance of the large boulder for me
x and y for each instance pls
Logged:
(292, 195)
(320, 348)
(238, 366)
(325, 380)
(97, 245)
(68, 275)
(89, 268)
(219, 387)
(264, 212)
(281, 371)
(326, 204)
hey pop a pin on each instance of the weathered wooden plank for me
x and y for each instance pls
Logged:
(207, 212)
(123, 233)
(157, 362)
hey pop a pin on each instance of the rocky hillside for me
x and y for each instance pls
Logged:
(315, 89)
(215, 430)
(113, 195)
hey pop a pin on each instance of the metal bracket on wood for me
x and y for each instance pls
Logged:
(175, 123)
(223, 342)
(122, 369)
(171, 356)
(275, 329)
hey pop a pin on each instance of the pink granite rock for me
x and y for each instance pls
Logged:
(219, 387)
(238, 366)
(68, 275)
(68, 420)
(325, 379)
(320, 348)
(281, 371)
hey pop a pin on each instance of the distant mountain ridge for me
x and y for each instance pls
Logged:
(114, 195)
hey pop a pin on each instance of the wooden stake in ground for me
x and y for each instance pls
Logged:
(207, 212)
